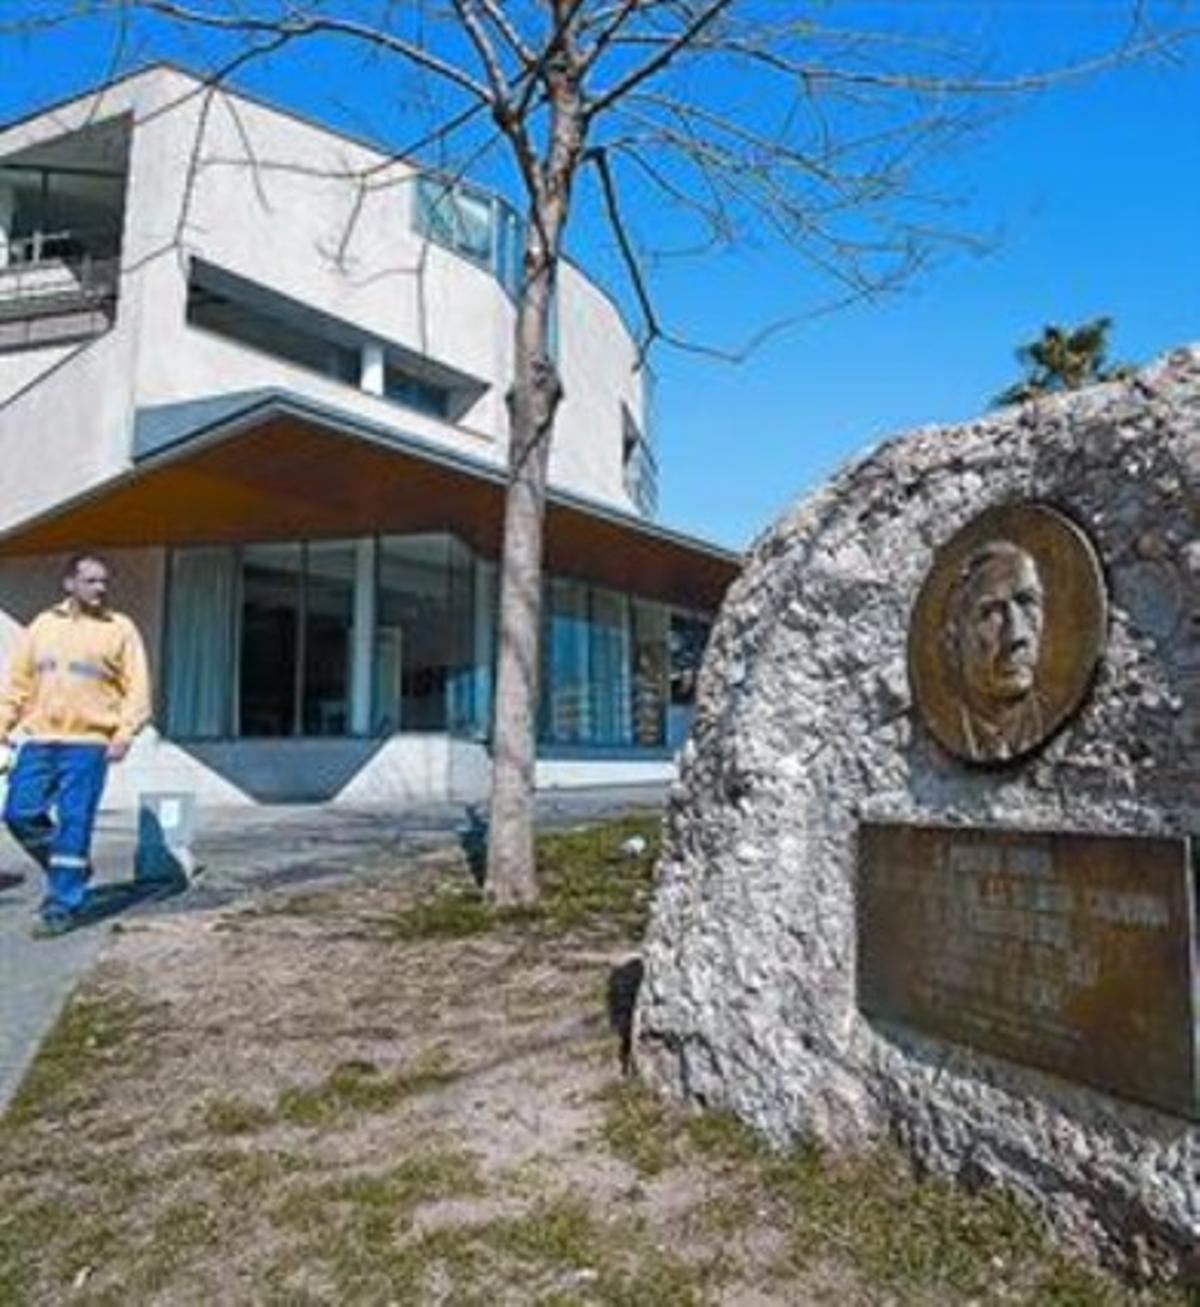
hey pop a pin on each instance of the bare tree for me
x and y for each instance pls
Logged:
(739, 118)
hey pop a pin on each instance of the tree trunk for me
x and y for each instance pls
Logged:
(533, 401)
(511, 874)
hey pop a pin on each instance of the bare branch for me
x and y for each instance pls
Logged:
(765, 50)
(500, 21)
(657, 62)
(474, 28)
(306, 25)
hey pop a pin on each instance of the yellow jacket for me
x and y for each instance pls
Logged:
(77, 676)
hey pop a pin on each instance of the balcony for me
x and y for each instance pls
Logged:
(57, 286)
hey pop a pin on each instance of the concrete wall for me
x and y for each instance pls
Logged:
(20, 367)
(294, 204)
(575, 773)
(400, 770)
(599, 367)
(68, 434)
(271, 199)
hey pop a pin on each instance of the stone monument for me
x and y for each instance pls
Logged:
(928, 871)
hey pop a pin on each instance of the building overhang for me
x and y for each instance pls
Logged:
(271, 465)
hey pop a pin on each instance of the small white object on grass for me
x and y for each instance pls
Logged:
(634, 846)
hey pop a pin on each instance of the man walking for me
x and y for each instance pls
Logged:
(78, 691)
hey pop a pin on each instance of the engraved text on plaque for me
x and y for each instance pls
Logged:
(1074, 953)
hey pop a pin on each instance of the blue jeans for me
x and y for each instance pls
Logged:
(66, 779)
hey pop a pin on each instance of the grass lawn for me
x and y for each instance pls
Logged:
(381, 1092)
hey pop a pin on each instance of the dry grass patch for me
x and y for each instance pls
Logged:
(384, 1092)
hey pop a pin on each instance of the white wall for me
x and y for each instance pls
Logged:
(291, 216)
(19, 367)
(598, 361)
(575, 773)
(279, 221)
(69, 433)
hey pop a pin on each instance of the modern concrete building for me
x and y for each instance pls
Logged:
(263, 367)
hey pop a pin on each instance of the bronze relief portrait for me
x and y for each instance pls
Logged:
(1006, 632)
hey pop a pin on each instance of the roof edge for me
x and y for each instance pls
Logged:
(248, 409)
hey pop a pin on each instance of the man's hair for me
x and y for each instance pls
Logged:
(76, 561)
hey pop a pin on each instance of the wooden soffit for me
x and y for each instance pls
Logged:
(290, 476)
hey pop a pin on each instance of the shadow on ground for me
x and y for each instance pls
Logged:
(106, 901)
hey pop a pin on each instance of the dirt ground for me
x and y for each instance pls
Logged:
(372, 1093)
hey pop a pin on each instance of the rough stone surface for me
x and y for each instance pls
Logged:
(805, 727)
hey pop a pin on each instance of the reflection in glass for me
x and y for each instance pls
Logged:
(566, 698)
(423, 653)
(649, 674)
(276, 640)
(688, 638)
(328, 637)
(270, 635)
(610, 668)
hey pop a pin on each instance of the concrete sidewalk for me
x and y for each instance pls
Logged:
(243, 851)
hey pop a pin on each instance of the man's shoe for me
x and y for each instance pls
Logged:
(52, 925)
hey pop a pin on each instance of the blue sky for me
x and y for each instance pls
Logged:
(1092, 194)
(1086, 196)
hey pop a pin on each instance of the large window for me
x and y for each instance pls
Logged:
(649, 674)
(200, 643)
(269, 684)
(254, 316)
(424, 648)
(376, 635)
(604, 668)
(687, 640)
(329, 614)
(70, 214)
(567, 671)
(469, 221)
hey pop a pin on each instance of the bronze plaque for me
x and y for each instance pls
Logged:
(1006, 632)
(1073, 953)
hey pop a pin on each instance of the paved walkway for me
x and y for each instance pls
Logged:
(242, 850)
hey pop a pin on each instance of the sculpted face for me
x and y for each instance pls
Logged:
(1000, 625)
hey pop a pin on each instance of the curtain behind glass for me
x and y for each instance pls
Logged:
(199, 671)
(610, 660)
(650, 685)
(566, 712)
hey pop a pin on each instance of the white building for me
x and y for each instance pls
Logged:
(275, 399)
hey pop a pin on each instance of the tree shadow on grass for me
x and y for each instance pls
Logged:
(623, 985)
(473, 838)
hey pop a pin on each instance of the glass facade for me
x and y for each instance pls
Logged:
(424, 670)
(269, 647)
(200, 642)
(374, 635)
(469, 221)
(327, 684)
